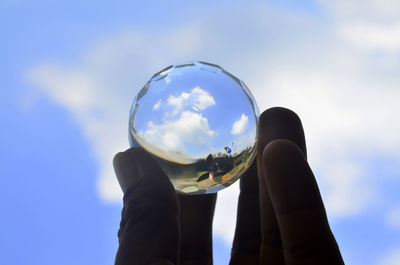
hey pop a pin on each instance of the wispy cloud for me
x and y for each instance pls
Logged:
(373, 36)
(392, 257)
(393, 218)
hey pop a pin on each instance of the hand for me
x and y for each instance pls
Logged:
(281, 218)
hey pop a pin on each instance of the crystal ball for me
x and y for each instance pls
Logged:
(200, 124)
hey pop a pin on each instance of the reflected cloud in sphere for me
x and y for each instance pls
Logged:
(199, 122)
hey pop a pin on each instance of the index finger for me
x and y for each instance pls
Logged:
(275, 123)
(304, 228)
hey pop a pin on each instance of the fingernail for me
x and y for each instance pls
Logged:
(280, 123)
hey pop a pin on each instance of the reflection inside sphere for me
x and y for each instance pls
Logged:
(199, 122)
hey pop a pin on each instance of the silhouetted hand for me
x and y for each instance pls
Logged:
(281, 218)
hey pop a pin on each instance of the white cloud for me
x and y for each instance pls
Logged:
(392, 257)
(157, 105)
(191, 127)
(240, 125)
(181, 127)
(369, 24)
(177, 102)
(363, 9)
(202, 99)
(225, 212)
(197, 98)
(393, 218)
(342, 178)
(347, 97)
(373, 36)
(100, 89)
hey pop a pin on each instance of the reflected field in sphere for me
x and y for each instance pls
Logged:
(200, 124)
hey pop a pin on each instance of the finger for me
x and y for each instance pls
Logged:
(305, 233)
(274, 123)
(196, 216)
(247, 240)
(149, 229)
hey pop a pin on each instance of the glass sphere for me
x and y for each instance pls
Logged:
(200, 124)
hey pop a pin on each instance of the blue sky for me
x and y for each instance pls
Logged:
(69, 71)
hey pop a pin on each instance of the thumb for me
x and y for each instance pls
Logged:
(149, 229)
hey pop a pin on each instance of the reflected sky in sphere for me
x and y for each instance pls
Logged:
(199, 122)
